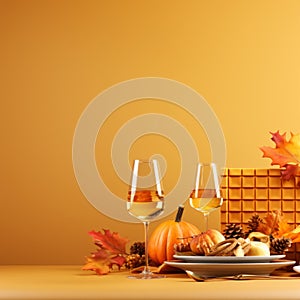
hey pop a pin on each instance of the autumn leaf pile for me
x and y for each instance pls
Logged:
(111, 252)
(286, 153)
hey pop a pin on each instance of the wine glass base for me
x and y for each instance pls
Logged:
(146, 276)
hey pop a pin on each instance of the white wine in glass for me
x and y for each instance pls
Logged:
(206, 195)
(145, 202)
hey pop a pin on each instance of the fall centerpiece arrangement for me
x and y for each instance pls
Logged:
(264, 236)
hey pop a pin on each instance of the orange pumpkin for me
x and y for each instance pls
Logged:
(203, 243)
(166, 235)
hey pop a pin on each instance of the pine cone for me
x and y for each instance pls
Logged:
(134, 261)
(254, 222)
(279, 245)
(233, 231)
(138, 248)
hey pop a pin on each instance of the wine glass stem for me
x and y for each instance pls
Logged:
(146, 229)
(206, 221)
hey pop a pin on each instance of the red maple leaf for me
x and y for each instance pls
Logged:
(111, 251)
(110, 241)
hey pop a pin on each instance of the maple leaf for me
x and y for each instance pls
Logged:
(271, 223)
(99, 266)
(290, 171)
(103, 263)
(110, 241)
(111, 251)
(286, 153)
(284, 228)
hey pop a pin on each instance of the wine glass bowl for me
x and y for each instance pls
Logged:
(206, 194)
(145, 201)
(145, 204)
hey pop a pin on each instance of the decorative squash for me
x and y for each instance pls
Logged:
(203, 243)
(166, 235)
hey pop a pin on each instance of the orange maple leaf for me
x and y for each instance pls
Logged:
(102, 264)
(284, 228)
(99, 266)
(270, 224)
(286, 153)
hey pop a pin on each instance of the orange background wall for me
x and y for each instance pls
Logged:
(56, 56)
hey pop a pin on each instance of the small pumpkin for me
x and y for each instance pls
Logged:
(203, 243)
(166, 235)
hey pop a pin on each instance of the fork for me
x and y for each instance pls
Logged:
(236, 277)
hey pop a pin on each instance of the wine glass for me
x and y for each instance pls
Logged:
(145, 202)
(206, 195)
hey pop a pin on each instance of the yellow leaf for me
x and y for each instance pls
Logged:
(297, 229)
(294, 235)
(293, 146)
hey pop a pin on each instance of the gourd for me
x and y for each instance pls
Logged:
(203, 243)
(166, 235)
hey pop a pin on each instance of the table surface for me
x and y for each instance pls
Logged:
(70, 282)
